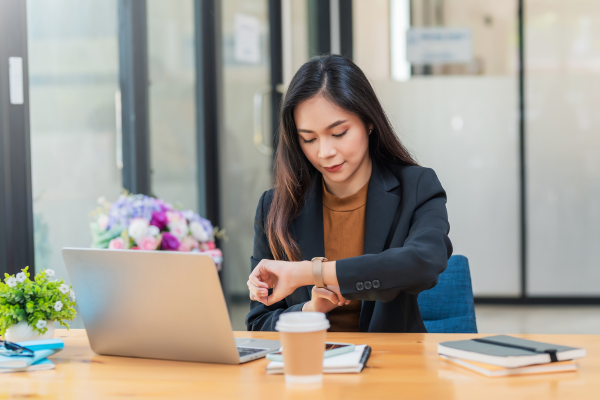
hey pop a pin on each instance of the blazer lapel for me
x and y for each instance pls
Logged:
(307, 228)
(382, 204)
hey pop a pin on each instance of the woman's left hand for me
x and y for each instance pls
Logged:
(279, 275)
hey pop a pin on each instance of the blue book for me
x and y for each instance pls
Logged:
(41, 348)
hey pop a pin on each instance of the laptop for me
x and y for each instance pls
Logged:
(157, 304)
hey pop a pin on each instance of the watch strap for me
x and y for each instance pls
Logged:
(318, 271)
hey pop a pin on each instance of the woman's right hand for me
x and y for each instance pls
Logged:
(325, 299)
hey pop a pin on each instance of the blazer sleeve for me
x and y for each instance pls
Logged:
(262, 317)
(415, 265)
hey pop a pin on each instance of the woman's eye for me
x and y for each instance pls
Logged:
(341, 134)
(308, 141)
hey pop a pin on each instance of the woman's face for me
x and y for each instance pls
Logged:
(335, 141)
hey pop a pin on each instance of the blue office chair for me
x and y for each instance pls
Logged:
(449, 307)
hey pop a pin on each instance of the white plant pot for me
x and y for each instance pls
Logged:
(22, 332)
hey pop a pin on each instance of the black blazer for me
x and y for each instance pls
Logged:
(406, 248)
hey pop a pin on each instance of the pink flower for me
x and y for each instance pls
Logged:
(148, 243)
(103, 222)
(184, 246)
(116, 244)
(188, 244)
(211, 245)
(174, 216)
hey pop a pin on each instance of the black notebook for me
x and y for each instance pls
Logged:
(507, 351)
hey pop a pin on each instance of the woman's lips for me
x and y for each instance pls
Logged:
(335, 168)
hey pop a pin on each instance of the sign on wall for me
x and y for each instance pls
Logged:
(247, 39)
(439, 46)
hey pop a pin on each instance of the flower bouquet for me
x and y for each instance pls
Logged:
(140, 222)
(28, 309)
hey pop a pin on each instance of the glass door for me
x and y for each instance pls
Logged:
(245, 168)
(73, 78)
(245, 140)
(172, 103)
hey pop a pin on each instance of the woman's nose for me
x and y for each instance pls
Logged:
(326, 150)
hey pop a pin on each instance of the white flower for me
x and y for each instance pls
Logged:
(138, 228)
(101, 200)
(72, 294)
(41, 324)
(21, 277)
(179, 229)
(103, 222)
(11, 282)
(58, 305)
(50, 272)
(64, 288)
(153, 231)
(198, 232)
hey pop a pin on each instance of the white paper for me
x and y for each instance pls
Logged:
(15, 79)
(247, 39)
(439, 45)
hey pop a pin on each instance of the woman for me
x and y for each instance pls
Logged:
(347, 190)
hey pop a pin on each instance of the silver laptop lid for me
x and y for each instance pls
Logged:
(166, 305)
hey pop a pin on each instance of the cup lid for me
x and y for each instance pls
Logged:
(297, 322)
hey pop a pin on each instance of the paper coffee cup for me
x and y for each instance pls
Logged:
(302, 336)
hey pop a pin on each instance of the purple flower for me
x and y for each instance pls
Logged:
(169, 242)
(159, 219)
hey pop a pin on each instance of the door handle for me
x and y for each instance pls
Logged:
(259, 99)
(119, 129)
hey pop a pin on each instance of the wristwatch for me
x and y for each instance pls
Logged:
(318, 271)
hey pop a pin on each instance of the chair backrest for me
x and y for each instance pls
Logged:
(449, 306)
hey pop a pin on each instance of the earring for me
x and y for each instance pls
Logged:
(370, 130)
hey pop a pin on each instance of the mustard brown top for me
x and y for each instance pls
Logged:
(344, 232)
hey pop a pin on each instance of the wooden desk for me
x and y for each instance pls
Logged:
(401, 366)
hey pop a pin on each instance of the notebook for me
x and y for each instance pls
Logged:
(41, 365)
(347, 363)
(494, 370)
(507, 351)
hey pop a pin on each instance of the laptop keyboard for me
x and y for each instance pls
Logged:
(246, 351)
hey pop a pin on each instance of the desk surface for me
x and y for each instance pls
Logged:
(401, 366)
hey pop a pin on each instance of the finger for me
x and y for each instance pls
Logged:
(263, 274)
(326, 294)
(347, 302)
(336, 290)
(256, 291)
(258, 282)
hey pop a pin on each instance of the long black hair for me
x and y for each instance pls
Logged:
(340, 81)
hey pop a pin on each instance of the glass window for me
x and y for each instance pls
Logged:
(73, 78)
(455, 107)
(562, 60)
(171, 68)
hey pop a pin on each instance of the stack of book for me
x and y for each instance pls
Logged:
(347, 363)
(504, 355)
(41, 350)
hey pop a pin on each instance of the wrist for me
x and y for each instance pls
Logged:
(302, 275)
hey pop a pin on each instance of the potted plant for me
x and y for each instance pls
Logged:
(29, 308)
